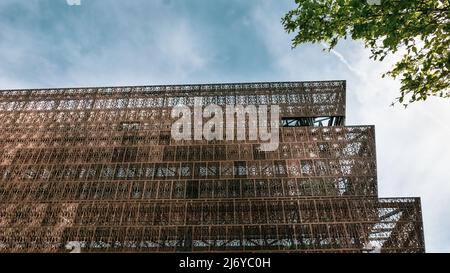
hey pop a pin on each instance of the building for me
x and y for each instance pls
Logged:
(96, 169)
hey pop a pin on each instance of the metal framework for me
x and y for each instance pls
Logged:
(98, 166)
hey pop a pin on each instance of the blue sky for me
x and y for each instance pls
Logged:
(48, 43)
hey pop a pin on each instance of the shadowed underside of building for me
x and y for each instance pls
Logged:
(96, 168)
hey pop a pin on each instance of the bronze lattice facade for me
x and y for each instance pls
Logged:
(98, 166)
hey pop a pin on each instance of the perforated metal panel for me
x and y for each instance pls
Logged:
(98, 167)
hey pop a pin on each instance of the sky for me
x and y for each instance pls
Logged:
(72, 43)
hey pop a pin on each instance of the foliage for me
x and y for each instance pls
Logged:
(418, 28)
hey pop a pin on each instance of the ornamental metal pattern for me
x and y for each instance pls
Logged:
(96, 170)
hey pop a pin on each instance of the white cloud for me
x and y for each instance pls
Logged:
(344, 61)
(73, 2)
(150, 44)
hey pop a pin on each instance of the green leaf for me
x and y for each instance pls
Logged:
(422, 27)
